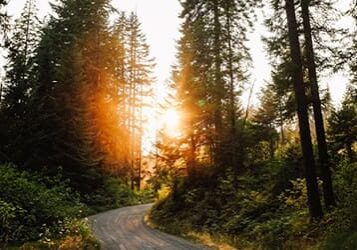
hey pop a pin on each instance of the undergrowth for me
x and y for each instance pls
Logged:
(266, 211)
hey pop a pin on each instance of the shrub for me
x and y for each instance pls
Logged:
(29, 206)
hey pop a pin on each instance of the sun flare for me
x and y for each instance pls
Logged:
(170, 121)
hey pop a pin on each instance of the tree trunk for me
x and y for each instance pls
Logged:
(218, 77)
(319, 121)
(232, 97)
(301, 101)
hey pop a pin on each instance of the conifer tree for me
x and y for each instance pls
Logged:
(343, 124)
(20, 69)
(301, 101)
(20, 81)
(316, 103)
(209, 84)
(139, 80)
(266, 118)
(316, 55)
(4, 22)
(76, 122)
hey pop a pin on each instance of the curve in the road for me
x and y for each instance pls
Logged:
(124, 229)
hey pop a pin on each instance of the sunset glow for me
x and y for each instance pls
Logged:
(171, 122)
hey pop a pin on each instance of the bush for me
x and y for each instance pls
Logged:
(29, 207)
(261, 213)
(115, 193)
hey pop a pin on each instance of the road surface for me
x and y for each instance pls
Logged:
(124, 229)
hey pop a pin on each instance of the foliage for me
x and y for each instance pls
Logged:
(115, 193)
(29, 205)
(343, 124)
(263, 212)
(4, 23)
(75, 234)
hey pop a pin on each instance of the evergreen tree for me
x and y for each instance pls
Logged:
(266, 118)
(282, 84)
(316, 103)
(76, 119)
(20, 80)
(209, 83)
(353, 50)
(305, 137)
(139, 80)
(313, 58)
(20, 69)
(4, 22)
(343, 124)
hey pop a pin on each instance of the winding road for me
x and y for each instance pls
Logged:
(124, 229)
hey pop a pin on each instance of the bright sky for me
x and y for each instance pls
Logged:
(161, 25)
(160, 22)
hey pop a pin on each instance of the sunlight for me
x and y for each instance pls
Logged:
(170, 121)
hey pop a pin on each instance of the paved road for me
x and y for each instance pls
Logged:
(124, 229)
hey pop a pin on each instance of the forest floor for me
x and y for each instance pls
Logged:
(125, 229)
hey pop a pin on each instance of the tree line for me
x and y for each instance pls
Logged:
(74, 91)
(279, 175)
(212, 70)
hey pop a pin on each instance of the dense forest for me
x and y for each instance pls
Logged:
(281, 174)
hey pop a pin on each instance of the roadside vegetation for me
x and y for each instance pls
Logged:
(281, 174)
(48, 212)
(267, 212)
(67, 148)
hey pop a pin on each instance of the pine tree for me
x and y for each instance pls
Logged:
(266, 118)
(316, 103)
(209, 84)
(305, 137)
(139, 80)
(76, 118)
(343, 124)
(20, 75)
(191, 78)
(4, 22)
(20, 80)
(353, 50)
(281, 85)
(313, 59)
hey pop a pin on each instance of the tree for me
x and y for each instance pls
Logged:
(301, 101)
(139, 80)
(279, 55)
(266, 118)
(20, 79)
(316, 103)
(75, 117)
(353, 55)
(20, 69)
(4, 22)
(209, 84)
(343, 124)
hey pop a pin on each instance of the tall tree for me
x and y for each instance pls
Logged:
(343, 124)
(301, 101)
(20, 69)
(20, 80)
(139, 80)
(353, 50)
(316, 103)
(75, 118)
(210, 83)
(266, 118)
(4, 22)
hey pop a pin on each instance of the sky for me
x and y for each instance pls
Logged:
(161, 25)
